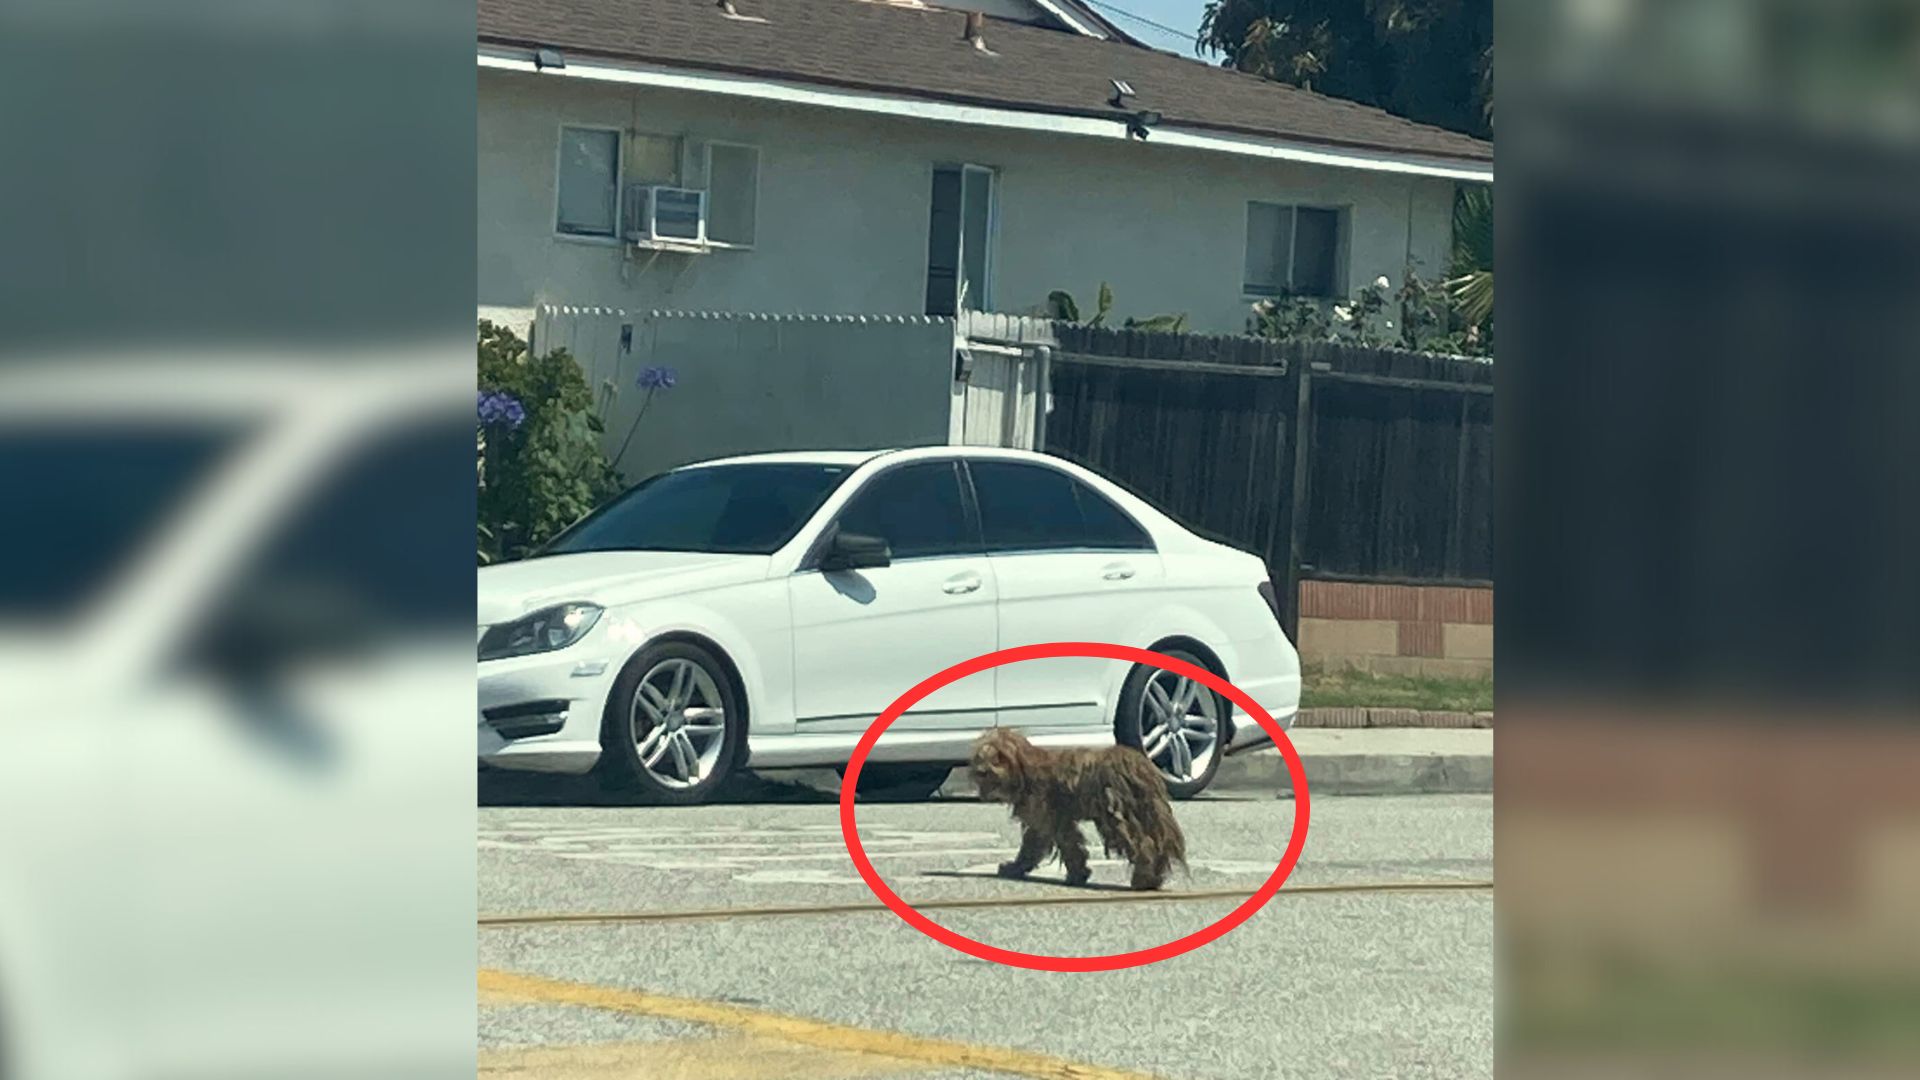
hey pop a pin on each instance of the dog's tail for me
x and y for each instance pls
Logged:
(1137, 801)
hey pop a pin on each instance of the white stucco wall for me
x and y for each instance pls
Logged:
(843, 206)
(752, 383)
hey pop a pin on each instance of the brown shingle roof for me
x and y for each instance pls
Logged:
(884, 48)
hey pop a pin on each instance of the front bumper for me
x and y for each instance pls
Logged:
(1280, 697)
(542, 713)
(1249, 735)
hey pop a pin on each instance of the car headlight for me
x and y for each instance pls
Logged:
(543, 631)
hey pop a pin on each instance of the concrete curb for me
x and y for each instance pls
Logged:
(1360, 774)
(1374, 761)
(1351, 717)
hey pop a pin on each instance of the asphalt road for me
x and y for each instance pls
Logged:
(1317, 984)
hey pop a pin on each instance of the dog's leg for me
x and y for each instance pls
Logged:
(1149, 874)
(1033, 848)
(1073, 852)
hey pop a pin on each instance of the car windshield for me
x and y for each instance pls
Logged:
(82, 498)
(748, 509)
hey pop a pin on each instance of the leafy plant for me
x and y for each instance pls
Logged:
(652, 380)
(1172, 324)
(541, 465)
(1427, 60)
(1060, 305)
(1292, 318)
(1419, 315)
(1471, 285)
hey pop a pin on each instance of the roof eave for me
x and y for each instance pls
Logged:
(502, 54)
(1082, 19)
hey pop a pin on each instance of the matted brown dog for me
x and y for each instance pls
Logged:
(1052, 791)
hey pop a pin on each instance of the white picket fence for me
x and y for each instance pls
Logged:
(1002, 378)
(750, 382)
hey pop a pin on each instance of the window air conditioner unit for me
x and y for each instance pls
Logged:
(655, 213)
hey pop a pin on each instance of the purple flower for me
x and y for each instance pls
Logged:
(657, 378)
(501, 408)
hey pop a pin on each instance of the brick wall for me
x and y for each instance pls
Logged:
(1429, 630)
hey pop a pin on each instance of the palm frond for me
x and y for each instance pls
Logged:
(1471, 285)
(1472, 295)
(1472, 229)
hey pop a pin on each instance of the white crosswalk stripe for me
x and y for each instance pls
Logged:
(814, 855)
(797, 855)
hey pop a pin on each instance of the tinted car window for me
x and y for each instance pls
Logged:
(1035, 508)
(380, 538)
(916, 509)
(81, 499)
(1106, 525)
(724, 509)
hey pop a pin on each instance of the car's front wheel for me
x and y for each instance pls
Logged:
(673, 725)
(1176, 722)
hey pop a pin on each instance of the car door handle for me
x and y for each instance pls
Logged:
(962, 583)
(1117, 572)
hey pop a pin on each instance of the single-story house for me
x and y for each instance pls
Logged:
(894, 157)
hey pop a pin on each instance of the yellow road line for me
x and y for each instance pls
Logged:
(731, 1057)
(819, 1034)
(953, 903)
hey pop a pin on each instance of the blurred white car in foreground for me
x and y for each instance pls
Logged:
(762, 611)
(232, 605)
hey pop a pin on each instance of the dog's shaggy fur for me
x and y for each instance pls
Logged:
(1052, 791)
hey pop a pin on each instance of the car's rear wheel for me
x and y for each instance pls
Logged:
(1177, 722)
(673, 725)
(899, 783)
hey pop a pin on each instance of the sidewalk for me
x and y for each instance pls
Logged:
(1363, 761)
(1370, 761)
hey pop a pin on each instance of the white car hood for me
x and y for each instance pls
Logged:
(35, 673)
(607, 578)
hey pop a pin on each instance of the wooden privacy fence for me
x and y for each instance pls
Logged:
(1330, 461)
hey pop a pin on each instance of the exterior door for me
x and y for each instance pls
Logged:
(1071, 566)
(864, 637)
(959, 240)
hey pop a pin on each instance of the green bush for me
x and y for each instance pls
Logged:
(1421, 315)
(541, 466)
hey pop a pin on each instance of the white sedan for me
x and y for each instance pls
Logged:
(761, 611)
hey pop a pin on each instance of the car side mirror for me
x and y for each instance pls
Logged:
(272, 627)
(855, 551)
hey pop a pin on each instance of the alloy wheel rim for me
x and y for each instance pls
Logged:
(678, 723)
(1179, 726)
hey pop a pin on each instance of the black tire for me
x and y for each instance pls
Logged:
(621, 766)
(1127, 732)
(898, 783)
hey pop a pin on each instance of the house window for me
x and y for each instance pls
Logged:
(652, 159)
(589, 197)
(1292, 250)
(959, 240)
(733, 193)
